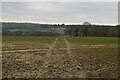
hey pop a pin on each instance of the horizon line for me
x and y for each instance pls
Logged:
(56, 23)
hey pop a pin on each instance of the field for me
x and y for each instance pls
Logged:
(59, 57)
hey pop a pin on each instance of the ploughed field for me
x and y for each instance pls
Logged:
(59, 57)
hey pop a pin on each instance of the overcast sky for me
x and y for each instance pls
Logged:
(61, 12)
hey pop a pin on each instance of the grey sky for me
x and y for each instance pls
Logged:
(59, 0)
(61, 12)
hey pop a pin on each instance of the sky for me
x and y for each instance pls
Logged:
(60, 0)
(61, 12)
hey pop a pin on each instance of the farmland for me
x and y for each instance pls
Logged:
(59, 57)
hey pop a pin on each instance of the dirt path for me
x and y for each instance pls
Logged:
(61, 63)
(28, 50)
(51, 48)
(68, 46)
(80, 73)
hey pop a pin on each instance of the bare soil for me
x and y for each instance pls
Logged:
(61, 59)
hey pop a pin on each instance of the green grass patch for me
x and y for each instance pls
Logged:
(44, 39)
(93, 40)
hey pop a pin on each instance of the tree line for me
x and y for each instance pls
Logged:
(30, 29)
(92, 30)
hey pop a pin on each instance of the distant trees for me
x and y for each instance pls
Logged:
(30, 29)
(92, 30)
